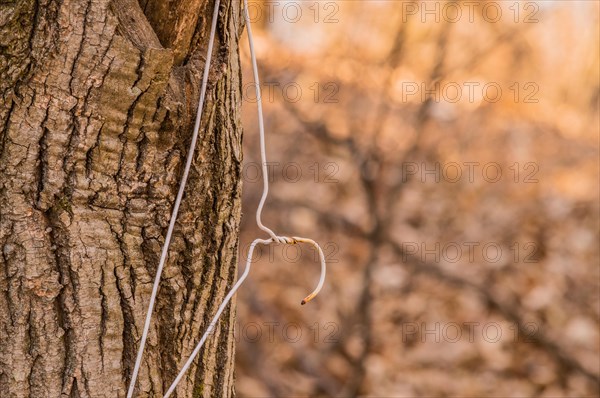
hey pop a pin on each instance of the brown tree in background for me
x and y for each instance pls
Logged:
(97, 99)
(379, 328)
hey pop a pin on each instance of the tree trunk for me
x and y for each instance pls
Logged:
(97, 104)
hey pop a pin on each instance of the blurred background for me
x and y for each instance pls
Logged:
(445, 156)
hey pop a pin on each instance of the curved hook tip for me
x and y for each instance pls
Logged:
(308, 298)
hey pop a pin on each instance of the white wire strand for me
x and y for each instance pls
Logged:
(184, 178)
(273, 237)
(261, 127)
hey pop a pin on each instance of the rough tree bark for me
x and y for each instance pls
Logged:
(97, 101)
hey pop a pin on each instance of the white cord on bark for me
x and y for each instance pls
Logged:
(273, 237)
(184, 178)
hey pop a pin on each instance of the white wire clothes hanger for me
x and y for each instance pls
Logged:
(272, 239)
